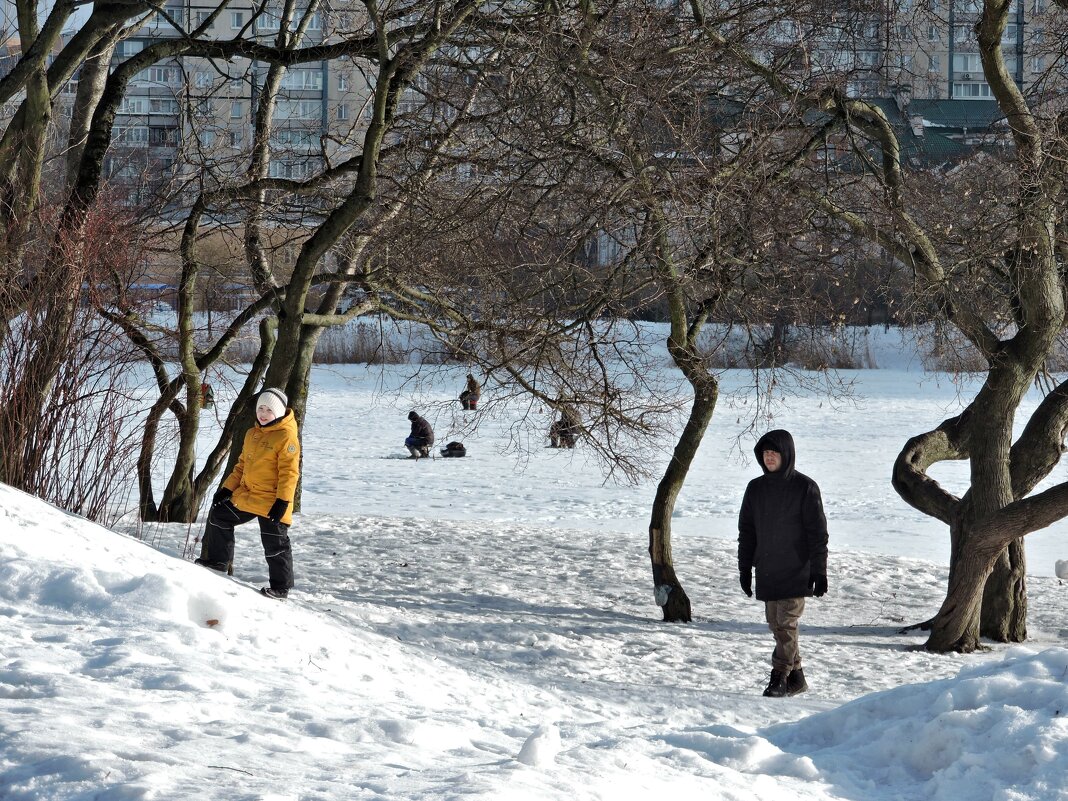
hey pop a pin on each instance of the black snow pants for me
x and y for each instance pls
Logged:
(219, 542)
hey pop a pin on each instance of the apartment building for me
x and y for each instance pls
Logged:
(933, 49)
(929, 47)
(192, 114)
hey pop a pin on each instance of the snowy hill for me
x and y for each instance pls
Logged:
(423, 659)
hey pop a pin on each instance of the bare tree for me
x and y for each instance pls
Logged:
(1006, 299)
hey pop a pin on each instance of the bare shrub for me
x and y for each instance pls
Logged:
(830, 351)
(81, 450)
(946, 352)
(362, 343)
(845, 349)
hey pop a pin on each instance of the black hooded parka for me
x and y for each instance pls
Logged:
(782, 531)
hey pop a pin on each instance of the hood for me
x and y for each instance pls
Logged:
(287, 420)
(781, 441)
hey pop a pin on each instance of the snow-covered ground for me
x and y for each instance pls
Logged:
(425, 659)
(484, 628)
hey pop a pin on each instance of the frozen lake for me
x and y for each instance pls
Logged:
(353, 461)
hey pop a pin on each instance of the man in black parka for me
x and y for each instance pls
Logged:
(782, 532)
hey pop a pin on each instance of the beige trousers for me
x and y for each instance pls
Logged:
(782, 617)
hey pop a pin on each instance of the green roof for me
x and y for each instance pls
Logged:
(959, 114)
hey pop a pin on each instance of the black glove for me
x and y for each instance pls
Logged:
(278, 510)
(745, 578)
(221, 494)
(818, 585)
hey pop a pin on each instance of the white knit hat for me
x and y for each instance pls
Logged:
(275, 400)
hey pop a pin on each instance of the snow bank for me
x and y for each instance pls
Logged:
(998, 730)
(429, 659)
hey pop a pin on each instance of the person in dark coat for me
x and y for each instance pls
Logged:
(472, 392)
(782, 534)
(421, 438)
(564, 431)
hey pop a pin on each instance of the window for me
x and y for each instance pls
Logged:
(292, 137)
(285, 169)
(1038, 63)
(201, 79)
(343, 111)
(132, 105)
(162, 105)
(303, 79)
(933, 34)
(136, 135)
(967, 62)
(963, 33)
(1010, 35)
(868, 58)
(298, 109)
(162, 136)
(207, 138)
(164, 75)
(202, 17)
(236, 110)
(971, 91)
(269, 21)
(934, 63)
(237, 20)
(235, 138)
(128, 48)
(1038, 6)
(127, 171)
(342, 81)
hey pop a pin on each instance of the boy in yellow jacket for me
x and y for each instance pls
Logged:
(261, 487)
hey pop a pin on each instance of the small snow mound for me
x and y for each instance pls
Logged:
(1061, 568)
(541, 747)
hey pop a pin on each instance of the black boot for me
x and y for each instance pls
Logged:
(271, 592)
(795, 682)
(776, 685)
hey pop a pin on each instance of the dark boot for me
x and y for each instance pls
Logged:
(795, 682)
(271, 592)
(776, 685)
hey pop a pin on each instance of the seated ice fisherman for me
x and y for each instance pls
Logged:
(564, 431)
(469, 397)
(421, 437)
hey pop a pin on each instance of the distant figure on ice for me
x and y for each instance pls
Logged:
(564, 431)
(782, 532)
(469, 397)
(261, 487)
(421, 438)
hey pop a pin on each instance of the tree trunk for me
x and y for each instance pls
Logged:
(956, 626)
(669, 592)
(1004, 611)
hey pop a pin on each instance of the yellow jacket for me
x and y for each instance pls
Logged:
(268, 468)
